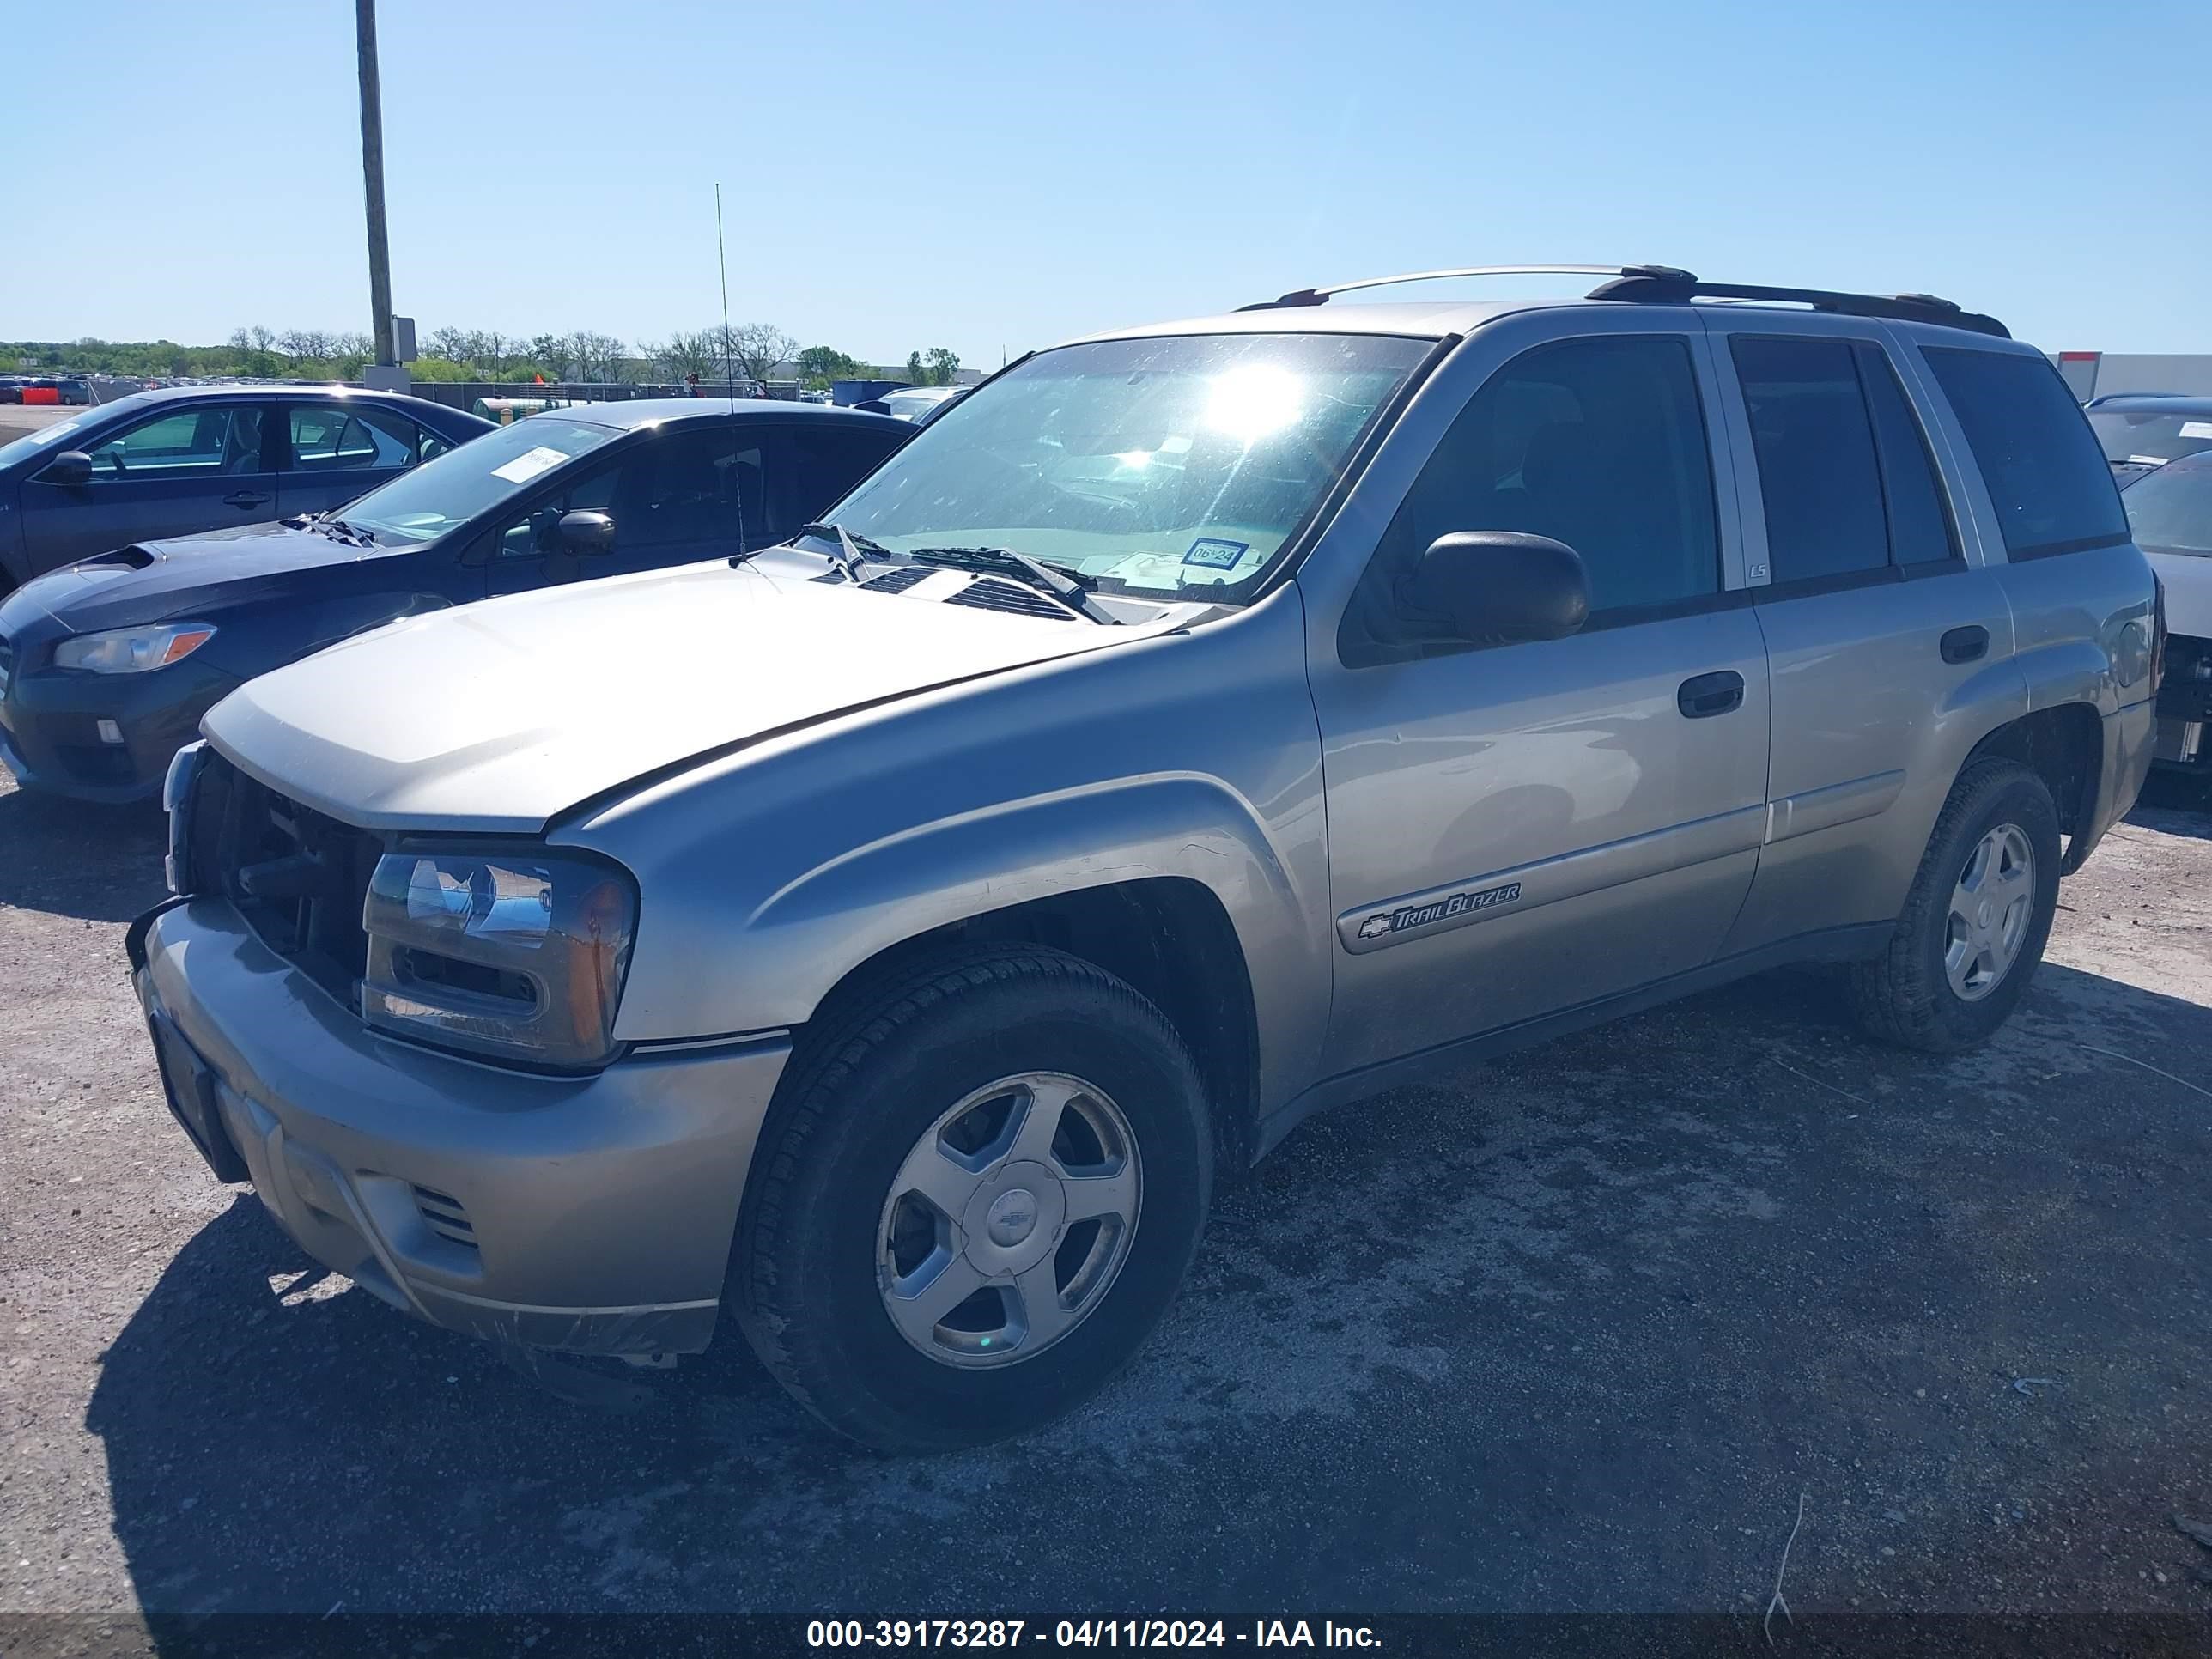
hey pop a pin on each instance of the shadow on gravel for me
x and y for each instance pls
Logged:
(2179, 805)
(1572, 1333)
(73, 858)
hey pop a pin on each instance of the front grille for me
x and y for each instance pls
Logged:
(443, 1216)
(989, 594)
(297, 877)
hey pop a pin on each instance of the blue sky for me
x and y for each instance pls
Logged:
(989, 176)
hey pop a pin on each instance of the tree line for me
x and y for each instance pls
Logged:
(758, 351)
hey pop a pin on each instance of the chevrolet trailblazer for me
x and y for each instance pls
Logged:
(877, 943)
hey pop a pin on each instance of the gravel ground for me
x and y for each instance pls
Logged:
(1575, 1332)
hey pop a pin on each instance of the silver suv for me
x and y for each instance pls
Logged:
(883, 938)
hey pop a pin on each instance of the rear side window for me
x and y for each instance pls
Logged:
(818, 468)
(1817, 471)
(1921, 531)
(1599, 443)
(2046, 473)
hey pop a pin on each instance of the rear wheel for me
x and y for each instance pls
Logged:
(1976, 920)
(975, 1197)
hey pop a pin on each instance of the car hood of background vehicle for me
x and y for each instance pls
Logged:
(496, 717)
(154, 582)
(2188, 579)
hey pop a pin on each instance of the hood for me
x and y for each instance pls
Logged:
(495, 717)
(2188, 579)
(154, 582)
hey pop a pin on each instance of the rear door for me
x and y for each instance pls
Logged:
(335, 451)
(177, 470)
(1891, 643)
(1526, 829)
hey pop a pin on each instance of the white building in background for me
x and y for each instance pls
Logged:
(2100, 374)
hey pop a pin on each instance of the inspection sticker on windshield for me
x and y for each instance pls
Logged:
(2197, 428)
(1216, 554)
(528, 465)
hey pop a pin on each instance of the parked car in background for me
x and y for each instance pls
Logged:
(916, 404)
(2170, 512)
(2142, 431)
(878, 947)
(75, 392)
(159, 464)
(45, 393)
(107, 666)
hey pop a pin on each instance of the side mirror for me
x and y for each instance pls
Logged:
(585, 532)
(71, 466)
(1497, 586)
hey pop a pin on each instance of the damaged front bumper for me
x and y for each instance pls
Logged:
(587, 1215)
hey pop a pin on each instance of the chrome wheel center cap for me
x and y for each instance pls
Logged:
(1988, 914)
(1012, 1217)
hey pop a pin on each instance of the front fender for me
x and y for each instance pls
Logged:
(767, 876)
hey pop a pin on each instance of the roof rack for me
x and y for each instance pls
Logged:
(1651, 286)
(1315, 296)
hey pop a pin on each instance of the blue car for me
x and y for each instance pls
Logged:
(107, 666)
(195, 458)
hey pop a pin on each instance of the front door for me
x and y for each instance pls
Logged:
(1521, 829)
(176, 471)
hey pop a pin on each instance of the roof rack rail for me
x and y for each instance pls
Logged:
(1650, 286)
(1315, 296)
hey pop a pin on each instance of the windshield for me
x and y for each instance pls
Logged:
(48, 439)
(2169, 511)
(1155, 466)
(2134, 435)
(424, 503)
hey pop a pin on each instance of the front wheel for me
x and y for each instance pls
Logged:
(1976, 920)
(975, 1196)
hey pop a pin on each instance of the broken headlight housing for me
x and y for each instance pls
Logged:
(515, 954)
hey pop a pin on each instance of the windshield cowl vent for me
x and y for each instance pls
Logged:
(989, 594)
(896, 581)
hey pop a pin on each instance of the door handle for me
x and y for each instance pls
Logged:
(246, 498)
(1965, 644)
(1703, 696)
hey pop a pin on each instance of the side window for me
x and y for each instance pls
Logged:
(1600, 443)
(817, 469)
(193, 443)
(530, 535)
(333, 438)
(1815, 444)
(1921, 528)
(2046, 473)
(692, 486)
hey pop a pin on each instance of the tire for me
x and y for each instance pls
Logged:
(821, 1229)
(1908, 994)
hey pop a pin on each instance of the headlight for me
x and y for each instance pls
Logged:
(514, 954)
(133, 650)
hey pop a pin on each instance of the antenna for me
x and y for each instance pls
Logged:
(730, 369)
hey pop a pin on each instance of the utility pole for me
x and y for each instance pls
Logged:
(372, 178)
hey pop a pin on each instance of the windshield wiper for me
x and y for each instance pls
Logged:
(339, 530)
(1070, 587)
(853, 550)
